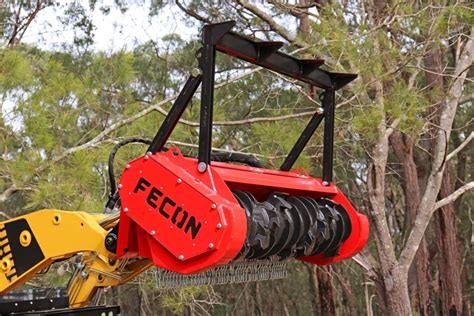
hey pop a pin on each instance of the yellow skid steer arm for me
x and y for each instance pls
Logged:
(32, 242)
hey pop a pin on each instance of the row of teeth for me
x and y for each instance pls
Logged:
(285, 226)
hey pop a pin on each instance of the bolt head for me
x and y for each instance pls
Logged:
(219, 226)
(213, 205)
(109, 240)
(211, 245)
(149, 153)
(127, 166)
(179, 180)
(202, 167)
(320, 110)
(152, 233)
(181, 257)
(146, 157)
(120, 186)
(125, 209)
(325, 183)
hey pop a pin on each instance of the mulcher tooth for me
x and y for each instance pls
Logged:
(311, 239)
(298, 223)
(333, 212)
(343, 226)
(320, 215)
(262, 222)
(333, 225)
(324, 230)
(329, 233)
(274, 219)
(290, 224)
(306, 233)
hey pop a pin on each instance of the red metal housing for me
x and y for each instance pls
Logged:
(187, 221)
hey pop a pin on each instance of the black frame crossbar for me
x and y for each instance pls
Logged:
(218, 37)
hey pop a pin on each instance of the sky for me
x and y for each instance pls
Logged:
(114, 31)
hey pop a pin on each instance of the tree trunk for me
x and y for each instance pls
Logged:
(325, 289)
(419, 287)
(313, 286)
(395, 279)
(258, 300)
(450, 263)
(129, 300)
(397, 297)
(348, 302)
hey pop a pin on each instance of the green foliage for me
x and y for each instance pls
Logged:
(366, 121)
(77, 16)
(408, 105)
(15, 72)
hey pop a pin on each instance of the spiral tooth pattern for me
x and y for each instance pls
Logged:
(285, 226)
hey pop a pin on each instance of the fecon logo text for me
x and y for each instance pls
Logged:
(167, 208)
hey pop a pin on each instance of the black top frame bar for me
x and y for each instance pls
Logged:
(266, 55)
(218, 37)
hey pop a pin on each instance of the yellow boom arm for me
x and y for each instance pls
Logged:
(32, 242)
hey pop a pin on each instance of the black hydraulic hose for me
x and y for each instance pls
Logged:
(113, 184)
(219, 156)
(237, 157)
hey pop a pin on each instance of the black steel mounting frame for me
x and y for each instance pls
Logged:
(218, 37)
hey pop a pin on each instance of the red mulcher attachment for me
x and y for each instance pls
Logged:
(188, 215)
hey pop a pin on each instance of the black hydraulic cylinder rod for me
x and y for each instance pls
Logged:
(175, 114)
(302, 141)
(328, 101)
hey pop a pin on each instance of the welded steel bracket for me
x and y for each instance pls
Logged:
(266, 54)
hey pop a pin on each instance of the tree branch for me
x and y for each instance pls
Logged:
(5, 215)
(365, 264)
(460, 147)
(7, 193)
(192, 13)
(245, 121)
(454, 196)
(10, 191)
(466, 98)
(20, 29)
(175, 142)
(275, 26)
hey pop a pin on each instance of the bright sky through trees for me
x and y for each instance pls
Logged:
(114, 30)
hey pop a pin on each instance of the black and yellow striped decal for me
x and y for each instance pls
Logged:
(21, 258)
(6, 254)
